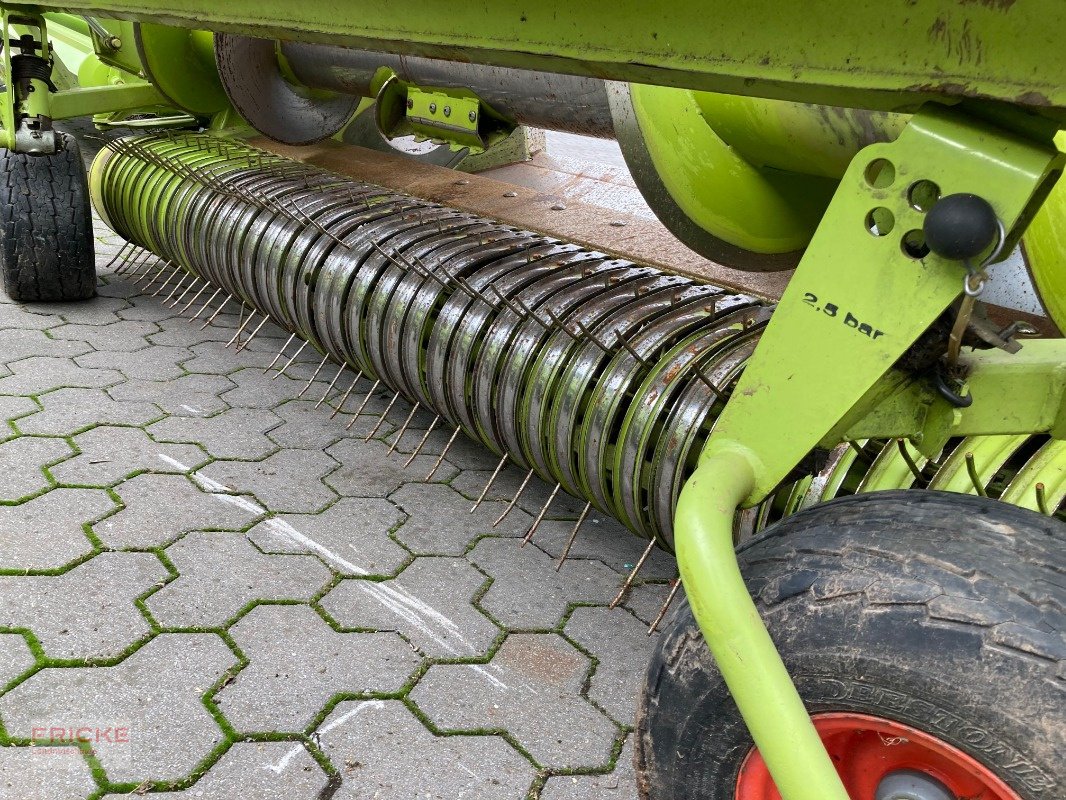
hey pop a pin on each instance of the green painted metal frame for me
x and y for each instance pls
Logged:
(887, 55)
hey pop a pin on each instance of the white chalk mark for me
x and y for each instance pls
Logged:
(283, 763)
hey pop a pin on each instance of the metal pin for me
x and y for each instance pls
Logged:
(173, 291)
(536, 523)
(514, 500)
(149, 272)
(311, 380)
(217, 312)
(903, 451)
(573, 536)
(138, 261)
(488, 485)
(119, 255)
(242, 323)
(403, 428)
(629, 349)
(629, 579)
(1041, 500)
(252, 335)
(674, 586)
(975, 479)
(329, 388)
(288, 363)
(366, 400)
(344, 399)
(857, 448)
(381, 419)
(204, 306)
(281, 352)
(193, 299)
(443, 453)
(595, 340)
(166, 283)
(423, 441)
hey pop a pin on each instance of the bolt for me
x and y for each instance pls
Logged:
(472, 116)
(432, 108)
(114, 43)
(447, 111)
(410, 103)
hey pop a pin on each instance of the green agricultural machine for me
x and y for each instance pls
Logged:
(862, 472)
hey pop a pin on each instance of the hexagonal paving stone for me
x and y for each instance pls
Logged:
(372, 742)
(117, 337)
(69, 410)
(96, 311)
(352, 536)
(236, 433)
(367, 470)
(101, 623)
(646, 600)
(258, 389)
(308, 427)
(46, 532)
(621, 784)
(159, 508)
(21, 461)
(109, 454)
(471, 483)
(188, 396)
(182, 331)
(210, 358)
(12, 408)
(531, 688)
(607, 540)
(44, 773)
(528, 592)
(429, 603)
(297, 663)
(220, 573)
(15, 658)
(43, 374)
(289, 480)
(621, 644)
(256, 771)
(440, 522)
(25, 343)
(173, 668)
(156, 363)
(16, 315)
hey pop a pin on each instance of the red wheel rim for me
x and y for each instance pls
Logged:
(865, 749)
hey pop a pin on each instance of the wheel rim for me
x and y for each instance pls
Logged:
(866, 750)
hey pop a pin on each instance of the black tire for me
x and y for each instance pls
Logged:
(940, 611)
(46, 234)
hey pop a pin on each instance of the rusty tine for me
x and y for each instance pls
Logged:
(492, 480)
(573, 536)
(314, 375)
(217, 312)
(281, 352)
(193, 300)
(443, 453)
(329, 388)
(253, 334)
(166, 283)
(917, 473)
(403, 428)
(288, 363)
(344, 399)
(120, 255)
(629, 578)
(536, 523)
(203, 307)
(422, 441)
(241, 324)
(366, 400)
(381, 419)
(674, 586)
(177, 286)
(514, 499)
(629, 349)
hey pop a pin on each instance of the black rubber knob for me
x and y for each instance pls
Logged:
(960, 226)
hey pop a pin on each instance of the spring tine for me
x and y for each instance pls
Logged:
(629, 349)
(119, 256)
(134, 260)
(366, 400)
(149, 272)
(536, 523)
(674, 586)
(166, 283)
(1041, 500)
(629, 578)
(381, 419)
(217, 312)
(975, 479)
(281, 352)
(242, 323)
(252, 335)
(514, 499)
(344, 399)
(192, 299)
(422, 442)
(562, 325)
(403, 428)
(329, 388)
(191, 285)
(573, 536)
(903, 451)
(707, 381)
(492, 480)
(311, 380)
(595, 340)
(177, 286)
(204, 306)
(288, 363)
(443, 453)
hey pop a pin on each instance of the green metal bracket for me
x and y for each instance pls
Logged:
(865, 290)
(26, 111)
